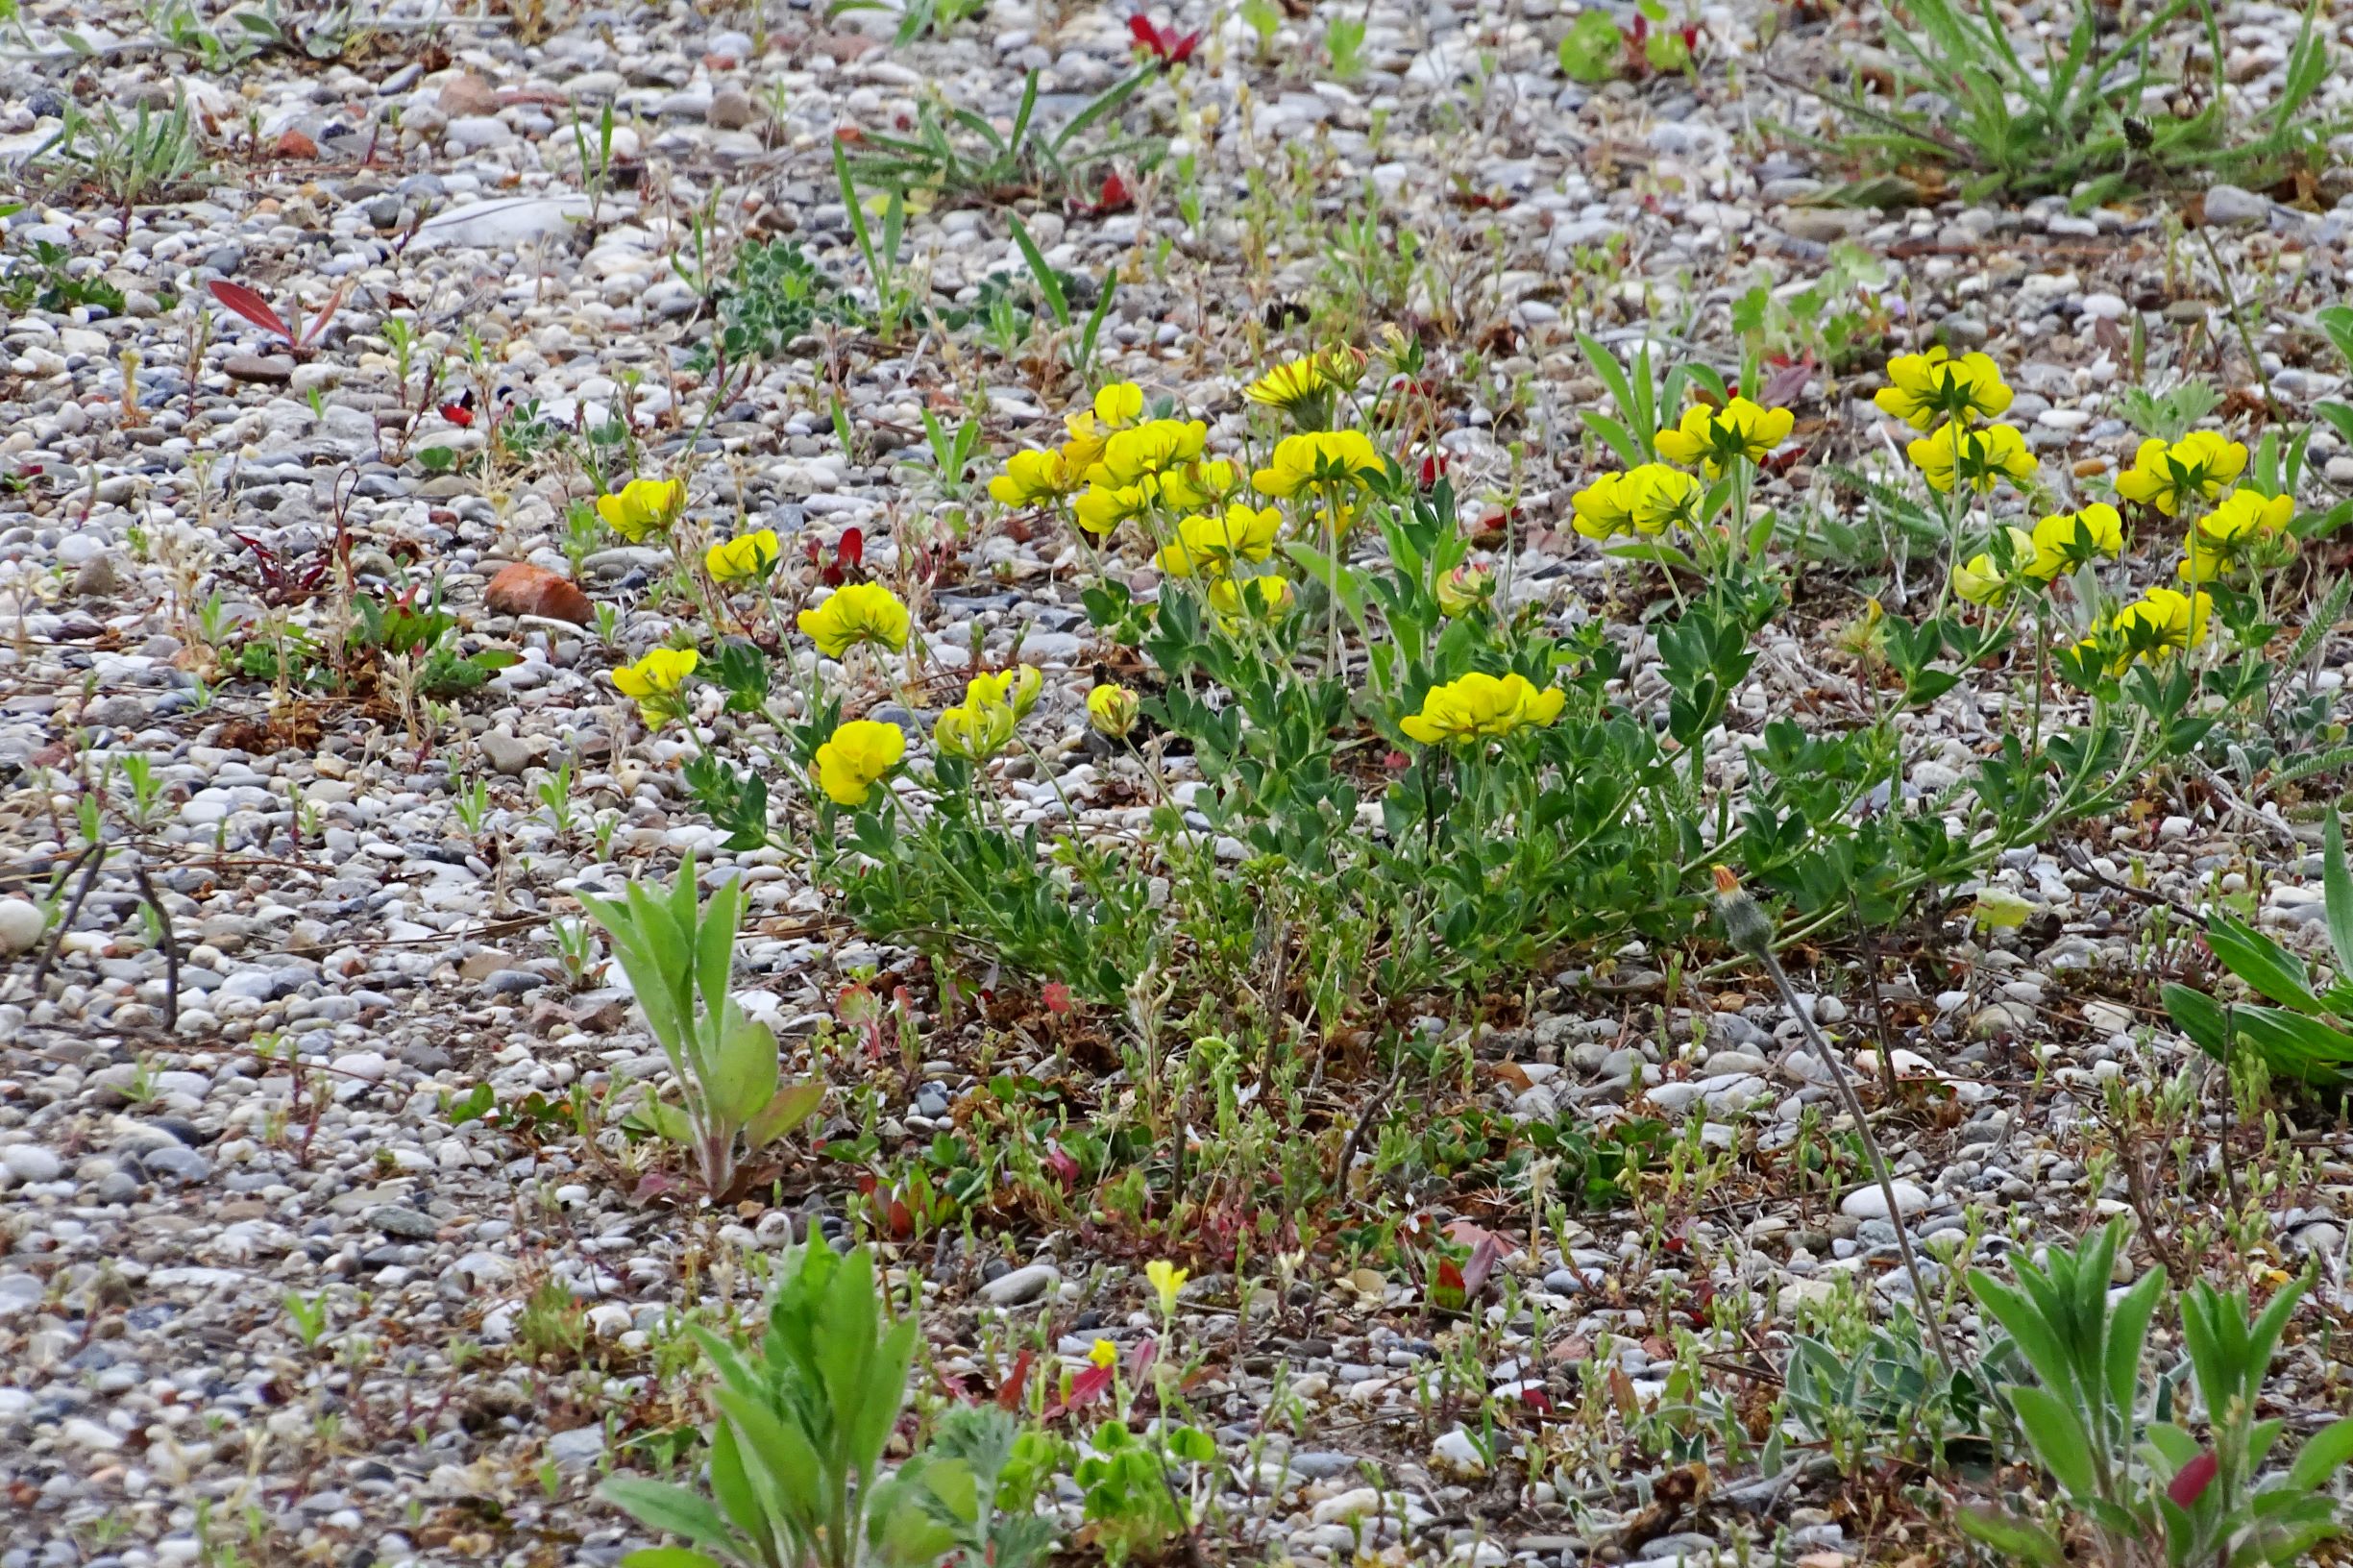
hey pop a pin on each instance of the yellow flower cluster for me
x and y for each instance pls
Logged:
(1958, 457)
(982, 725)
(1482, 707)
(1945, 398)
(1303, 388)
(856, 756)
(1925, 388)
(1113, 710)
(2059, 544)
(1330, 460)
(2247, 529)
(2201, 464)
(855, 613)
(1650, 498)
(641, 508)
(658, 682)
(746, 558)
(1647, 499)
(1210, 547)
(1711, 439)
(2162, 622)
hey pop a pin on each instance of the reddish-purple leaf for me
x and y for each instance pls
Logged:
(326, 312)
(1483, 1258)
(1787, 380)
(1009, 1397)
(1085, 1388)
(252, 307)
(2191, 1484)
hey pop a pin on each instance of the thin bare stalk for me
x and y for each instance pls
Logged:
(1749, 929)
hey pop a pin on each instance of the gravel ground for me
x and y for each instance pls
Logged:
(499, 1298)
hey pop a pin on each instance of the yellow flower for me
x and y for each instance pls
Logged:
(1103, 1352)
(1150, 451)
(1115, 408)
(1260, 597)
(1603, 508)
(861, 612)
(1016, 689)
(974, 730)
(1291, 384)
(1320, 457)
(2066, 540)
(1113, 710)
(1168, 1279)
(1209, 545)
(657, 680)
(739, 560)
(1923, 389)
(1983, 579)
(1710, 437)
(2157, 626)
(1463, 588)
(1118, 405)
(1482, 707)
(1976, 458)
(1198, 486)
(855, 758)
(1659, 497)
(2246, 528)
(642, 507)
(1102, 507)
(2200, 463)
(1084, 447)
(1032, 479)
(983, 723)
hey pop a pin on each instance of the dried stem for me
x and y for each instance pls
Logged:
(1751, 930)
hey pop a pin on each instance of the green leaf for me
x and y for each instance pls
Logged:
(793, 1105)
(2035, 1335)
(659, 1505)
(663, 1120)
(2127, 1330)
(731, 1486)
(743, 1079)
(2318, 1460)
(2058, 1435)
(1050, 287)
(668, 1556)
(1591, 48)
(2262, 962)
(1655, 552)
(2200, 1016)
(2013, 1537)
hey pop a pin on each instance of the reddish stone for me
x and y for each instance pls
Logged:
(292, 143)
(525, 589)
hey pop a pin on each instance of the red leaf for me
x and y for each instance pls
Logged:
(2186, 1487)
(1787, 382)
(1116, 198)
(851, 550)
(457, 414)
(1165, 44)
(326, 312)
(1139, 1360)
(1483, 1259)
(251, 305)
(1065, 1168)
(1450, 1278)
(1009, 1396)
(1056, 997)
(1085, 1388)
